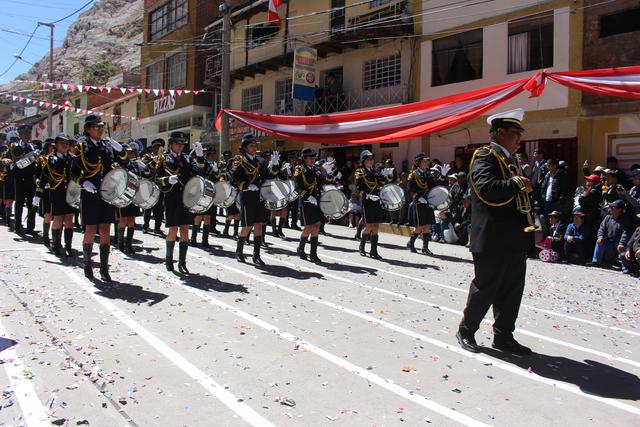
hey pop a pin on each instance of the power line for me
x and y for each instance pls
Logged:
(74, 12)
(21, 52)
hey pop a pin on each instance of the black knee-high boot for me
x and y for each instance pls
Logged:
(281, 224)
(7, 214)
(227, 224)
(17, 219)
(213, 226)
(313, 257)
(115, 235)
(168, 259)
(426, 237)
(104, 263)
(374, 247)
(68, 239)
(274, 228)
(359, 228)
(363, 242)
(31, 220)
(412, 242)
(194, 234)
(240, 249)
(121, 246)
(129, 240)
(146, 220)
(56, 236)
(257, 242)
(182, 257)
(87, 249)
(303, 243)
(45, 233)
(205, 236)
(236, 225)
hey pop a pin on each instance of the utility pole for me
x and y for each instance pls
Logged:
(225, 84)
(50, 118)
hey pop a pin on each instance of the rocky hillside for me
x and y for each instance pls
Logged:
(102, 42)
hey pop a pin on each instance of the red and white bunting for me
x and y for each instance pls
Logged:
(77, 87)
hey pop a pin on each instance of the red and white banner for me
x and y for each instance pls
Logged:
(76, 87)
(272, 15)
(623, 82)
(383, 124)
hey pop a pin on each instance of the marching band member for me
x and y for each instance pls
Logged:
(419, 183)
(96, 157)
(5, 165)
(174, 169)
(23, 181)
(157, 146)
(249, 175)
(127, 215)
(369, 182)
(209, 172)
(227, 168)
(42, 198)
(57, 174)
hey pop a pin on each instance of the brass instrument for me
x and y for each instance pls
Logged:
(522, 198)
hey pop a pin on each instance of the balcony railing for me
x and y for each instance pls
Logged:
(397, 94)
(213, 68)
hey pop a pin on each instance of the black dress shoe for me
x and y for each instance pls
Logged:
(88, 272)
(427, 252)
(301, 254)
(315, 259)
(468, 343)
(510, 345)
(240, 258)
(182, 268)
(258, 261)
(104, 275)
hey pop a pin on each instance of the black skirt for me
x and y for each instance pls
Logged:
(310, 214)
(59, 205)
(252, 211)
(9, 190)
(175, 213)
(45, 203)
(96, 211)
(421, 214)
(232, 210)
(128, 211)
(372, 212)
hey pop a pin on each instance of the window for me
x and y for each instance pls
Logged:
(167, 18)
(284, 100)
(162, 126)
(179, 123)
(197, 121)
(76, 128)
(154, 75)
(252, 98)
(531, 43)
(78, 103)
(382, 72)
(260, 34)
(177, 71)
(457, 58)
(619, 23)
(376, 3)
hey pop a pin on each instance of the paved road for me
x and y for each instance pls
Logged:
(353, 342)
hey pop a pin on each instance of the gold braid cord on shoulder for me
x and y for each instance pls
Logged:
(55, 177)
(503, 167)
(89, 170)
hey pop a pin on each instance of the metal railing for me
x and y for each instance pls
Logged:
(397, 94)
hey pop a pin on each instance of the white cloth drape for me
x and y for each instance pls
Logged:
(519, 45)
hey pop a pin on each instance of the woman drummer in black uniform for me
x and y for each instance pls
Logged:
(42, 198)
(172, 173)
(127, 216)
(421, 215)
(227, 166)
(210, 173)
(368, 182)
(57, 174)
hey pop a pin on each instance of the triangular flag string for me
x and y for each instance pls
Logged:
(79, 87)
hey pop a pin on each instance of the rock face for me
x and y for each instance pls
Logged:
(111, 31)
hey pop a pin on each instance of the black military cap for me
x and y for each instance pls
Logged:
(49, 140)
(512, 118)
(178, 137)
(24, 128)
(37, 143)
(247, 139)
(420, 156)
(93, 120)
(62, 137)
(308, 152)
(365, 154)
(226, 153)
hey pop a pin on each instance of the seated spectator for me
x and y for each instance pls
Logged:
(630, 258)
(577, 238)
(632, 197)
(609, 189)
(590, 201)
(462, 220)
(556, 231)
(355, 210)
(613, 235)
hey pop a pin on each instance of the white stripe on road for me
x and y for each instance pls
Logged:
(217, 390)
(32, 408)
(453, 288)
(441, 344)
(354, 369)
(602, 354)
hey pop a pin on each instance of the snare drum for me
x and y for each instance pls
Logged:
(275, 194)
(74, 190)
(225, 194)
(391, 197)
(293, 195)
(333, 202)
(148, 194)
(438, 197)
(198, 195)
(119, 187)
(27, 159)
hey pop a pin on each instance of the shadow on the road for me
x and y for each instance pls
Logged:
(277, 270)
(350, 268)
(406, 264)
(128, 293)
(147, 256)
(352, 249)
(451, 258)
(592, 377)
(206, 283)
(6, 343)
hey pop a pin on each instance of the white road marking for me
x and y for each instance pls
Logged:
(354, 369)
(217, 390)
(481, 358)
(33, 410)
(453, 288)
(602, 354)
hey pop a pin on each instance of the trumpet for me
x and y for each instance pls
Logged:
(523, 200)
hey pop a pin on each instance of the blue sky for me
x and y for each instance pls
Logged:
(22, 16)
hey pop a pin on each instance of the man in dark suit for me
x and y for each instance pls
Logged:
(498, 240)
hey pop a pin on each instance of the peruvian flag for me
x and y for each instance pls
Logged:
(273, 17)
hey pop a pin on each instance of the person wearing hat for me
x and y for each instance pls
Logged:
(24, 187)
(157, 146)
(613, 235)
(5, 170)
(227, 168)
(248, 177)
(175, 168)
(127, 216)
(368, 182)
(421, 215)
(57, 175)
(556, 231)
(309, 181)
(462, 220)
(96, 157)
(632, 197)
(590, 200)
(211, 173)
(578, 239)
(499, 243)
(42, 198)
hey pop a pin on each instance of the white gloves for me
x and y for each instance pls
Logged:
(387, 172)
(373, 197)
(115, 145)
(422, 200)
(88, 186)
(275, 159)
(198, 149)
(312, 200)
(142, 165)
(328, 167)
(215, 167)
(35, 201)
(173, 179)
(252, 187)
(338, 175)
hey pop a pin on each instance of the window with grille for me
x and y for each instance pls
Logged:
(167, 18)
(177, 71)
(284, 100)
(531, 43)
(197, 121)
(382, 72)
(457, 58)
(154, 75)
(260, 34)
(252, 98)
(376, 3)
(162, 126)
(179, 123)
